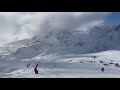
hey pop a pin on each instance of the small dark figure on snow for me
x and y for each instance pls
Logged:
(35, 69)
(28, 65)
(102, 69)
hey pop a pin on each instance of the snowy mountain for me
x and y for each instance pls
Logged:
(54, 43)
(105, 39)
(64, 54)
(72, 42)
(11, 47)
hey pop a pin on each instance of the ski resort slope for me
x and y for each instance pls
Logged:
(65, 66)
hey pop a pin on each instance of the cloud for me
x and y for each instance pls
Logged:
(20, 25)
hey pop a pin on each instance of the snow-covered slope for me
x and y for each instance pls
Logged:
(65, 66)
(11, 47)
(102, 39)
(62, 43)
(64, 54)
(71, 42)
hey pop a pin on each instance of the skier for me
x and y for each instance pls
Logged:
(28, 64)
(35, 69)
(102, 69)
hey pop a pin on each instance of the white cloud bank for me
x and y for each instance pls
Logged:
(20, 25)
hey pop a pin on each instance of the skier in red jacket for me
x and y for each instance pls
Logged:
(35, 69)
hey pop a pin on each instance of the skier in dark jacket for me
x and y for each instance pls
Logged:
(28, 64)
(102, 69)
(35, 69)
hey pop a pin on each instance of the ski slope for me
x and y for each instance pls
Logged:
(64, 66)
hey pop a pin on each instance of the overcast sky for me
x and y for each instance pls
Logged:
(20, 25)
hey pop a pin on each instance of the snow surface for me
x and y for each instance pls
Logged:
(64, 54)
(64, 66)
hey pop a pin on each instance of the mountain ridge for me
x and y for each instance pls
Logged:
(99, 39)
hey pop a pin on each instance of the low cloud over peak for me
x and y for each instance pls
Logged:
(20, 25)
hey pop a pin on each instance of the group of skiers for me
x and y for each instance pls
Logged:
(28, 65)
(36, 70)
